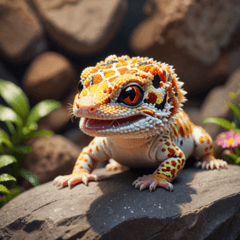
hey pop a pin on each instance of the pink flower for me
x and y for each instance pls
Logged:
(228, 139)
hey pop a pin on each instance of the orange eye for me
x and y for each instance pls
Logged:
(131, 95)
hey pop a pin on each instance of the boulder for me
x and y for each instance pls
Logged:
(22, 35)
(51, 156)
(204, 205)
(198, 37)
(81, 27)
(50, 75)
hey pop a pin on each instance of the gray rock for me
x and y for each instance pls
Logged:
(203, 205)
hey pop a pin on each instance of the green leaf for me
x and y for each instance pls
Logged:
(6, 177)
(5, 139)
(41, 110)
(15, 97)
(4, 189)
(41, 133)
(23, 149)
(29, 176)
(235, 109)
(6, 160)
(220, 121)
(7, 114)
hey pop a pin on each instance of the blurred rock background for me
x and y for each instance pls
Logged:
(45, 44)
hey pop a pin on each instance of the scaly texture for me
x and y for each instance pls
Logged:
(133, 108)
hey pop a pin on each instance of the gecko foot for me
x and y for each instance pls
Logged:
(151, 182)
(74, 178)
(212, 164)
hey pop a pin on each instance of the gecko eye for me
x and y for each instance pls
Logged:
(80, 86)
(132, 94)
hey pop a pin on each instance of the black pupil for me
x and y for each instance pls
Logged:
(129, 92)
(80, 86)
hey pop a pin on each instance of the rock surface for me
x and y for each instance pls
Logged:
(50, 75)
(203, 205)
(51, 156)
(198, 37)
(22, 36)
(82, 27)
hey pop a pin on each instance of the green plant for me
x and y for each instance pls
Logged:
(231, 138)
(22, 125)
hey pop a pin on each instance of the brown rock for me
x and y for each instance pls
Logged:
(50, 75)
(204, 205)
(22, 36)
(198, 37)
(82, 27)
(51, 156)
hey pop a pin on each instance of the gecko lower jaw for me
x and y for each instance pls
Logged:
(97, 124)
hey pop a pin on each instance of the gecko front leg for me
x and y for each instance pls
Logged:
(168, 169)
(85, 164)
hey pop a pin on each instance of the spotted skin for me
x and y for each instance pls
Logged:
(132, 106)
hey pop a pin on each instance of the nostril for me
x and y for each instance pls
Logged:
(92, 108)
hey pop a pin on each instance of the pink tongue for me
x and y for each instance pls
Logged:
(98, 124)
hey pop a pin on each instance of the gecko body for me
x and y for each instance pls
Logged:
(132, 106)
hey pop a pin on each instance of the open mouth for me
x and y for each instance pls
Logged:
(98, 124)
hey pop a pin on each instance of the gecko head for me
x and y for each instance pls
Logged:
(127, 97)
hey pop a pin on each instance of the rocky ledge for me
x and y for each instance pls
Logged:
(203, 205)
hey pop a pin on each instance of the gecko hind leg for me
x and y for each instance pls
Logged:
(204, 150)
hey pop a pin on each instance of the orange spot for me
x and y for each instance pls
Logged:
(208, 139)
(112, 79)
(87, 83)
(122, 70)
(174, 163)
(181, 155)
(171, 151)
(163, 150)
(84, 152)
(201, 140)
(168, 143)
(77, 164)
(85, 160)
(152, 97)
(81, 158)
(206, 149)
(109, 73)
(97, 78)
(84, 93)
(90, 150)
(92, 142)
(173, 171)
(81, 167)
(104, 142)
(97, 148)
(122, 64)
(142, 75)
(132, 71)
(154, 70)
(109, 90)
